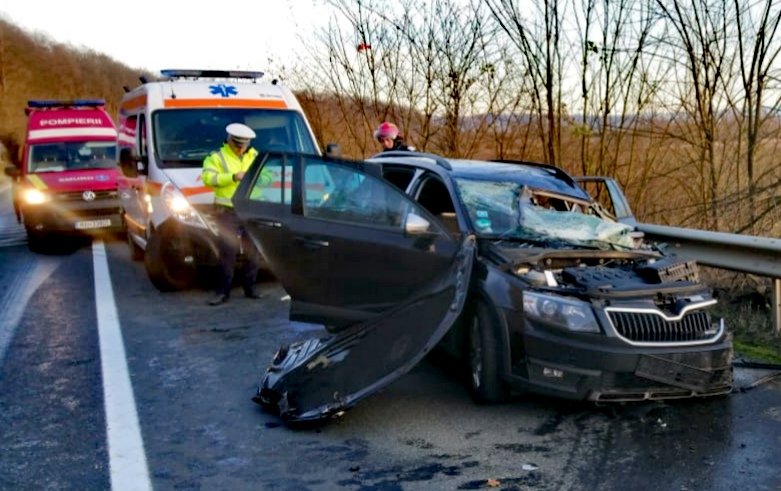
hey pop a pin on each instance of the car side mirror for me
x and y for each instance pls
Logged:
(416, 225)
(333, 150)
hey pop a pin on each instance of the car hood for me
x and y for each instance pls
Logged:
(323, 377)
(596, 273)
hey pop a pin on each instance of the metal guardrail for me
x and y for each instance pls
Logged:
(744, 253)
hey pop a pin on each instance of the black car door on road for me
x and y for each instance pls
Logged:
(345, 244)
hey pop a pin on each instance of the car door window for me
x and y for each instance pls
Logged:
(335, 191)
(273, 183)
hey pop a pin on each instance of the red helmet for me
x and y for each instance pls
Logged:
(386, 129)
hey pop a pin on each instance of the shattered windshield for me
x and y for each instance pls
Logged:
(511, 211)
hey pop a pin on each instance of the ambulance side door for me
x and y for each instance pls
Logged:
(133, 162)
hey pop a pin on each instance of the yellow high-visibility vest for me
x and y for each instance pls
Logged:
(219, 168)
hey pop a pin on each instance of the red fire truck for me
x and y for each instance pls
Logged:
(66, 180)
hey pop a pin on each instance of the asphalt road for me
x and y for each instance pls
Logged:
(194, 368)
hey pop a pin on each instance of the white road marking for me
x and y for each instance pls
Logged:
(127, 459)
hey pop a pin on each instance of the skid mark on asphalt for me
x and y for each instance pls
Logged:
(29, 272)
(127, 459)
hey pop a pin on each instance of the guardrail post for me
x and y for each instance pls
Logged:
(776, 306)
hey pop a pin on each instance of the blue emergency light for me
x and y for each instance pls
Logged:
(49, 103)
(178, 73)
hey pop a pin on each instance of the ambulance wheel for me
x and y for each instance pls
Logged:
(165, 265)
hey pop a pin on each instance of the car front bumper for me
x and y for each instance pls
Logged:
(599, 368)
(73, 217)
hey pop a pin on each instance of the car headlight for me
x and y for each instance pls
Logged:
(565, 312)
(35, 197)
(180, 208)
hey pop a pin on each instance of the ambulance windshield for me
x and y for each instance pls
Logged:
(71, 156)
(184, 137)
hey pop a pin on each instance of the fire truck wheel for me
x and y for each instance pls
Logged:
(165, 264)
(36, 241)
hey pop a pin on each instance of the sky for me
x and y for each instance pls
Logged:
(159, 34)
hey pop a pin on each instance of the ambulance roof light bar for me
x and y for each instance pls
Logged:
(178, 73)
(49, 103)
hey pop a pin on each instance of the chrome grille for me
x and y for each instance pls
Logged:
(77, 195)
(652, 327)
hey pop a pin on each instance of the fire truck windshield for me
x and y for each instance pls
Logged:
(72, 155)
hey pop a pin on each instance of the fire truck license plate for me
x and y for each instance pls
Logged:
(106, 222)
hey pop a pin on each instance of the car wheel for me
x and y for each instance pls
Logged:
(485, 356)
(165, 264)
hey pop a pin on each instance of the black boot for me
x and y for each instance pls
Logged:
(219, 299)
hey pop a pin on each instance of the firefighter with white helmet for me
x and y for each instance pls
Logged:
(222, 171)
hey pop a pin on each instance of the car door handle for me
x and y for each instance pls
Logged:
(266, 223)
(311, 243)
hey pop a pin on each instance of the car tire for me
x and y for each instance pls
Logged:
(485, 357)
(165, 265)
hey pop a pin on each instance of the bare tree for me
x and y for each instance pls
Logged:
(615, 83)
(540, 48)
(758, 49)
(698, 42)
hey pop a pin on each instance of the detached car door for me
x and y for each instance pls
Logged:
(342, 241)
(352, 251)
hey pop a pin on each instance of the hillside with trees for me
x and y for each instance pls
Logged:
(677, 100)
(36, 67)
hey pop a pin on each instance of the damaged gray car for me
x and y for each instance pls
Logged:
(509, 266)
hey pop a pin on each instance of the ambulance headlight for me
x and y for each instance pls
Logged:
(35, 197)
(180, 208)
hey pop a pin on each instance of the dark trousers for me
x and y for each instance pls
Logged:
(233, 240)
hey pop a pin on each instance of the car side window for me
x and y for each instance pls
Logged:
(273, 182)
(334, 191)
(399, 176)
(434, 197)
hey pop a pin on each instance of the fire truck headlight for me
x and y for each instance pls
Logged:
(35, 197)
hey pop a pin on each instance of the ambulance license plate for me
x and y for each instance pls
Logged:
(106, 222)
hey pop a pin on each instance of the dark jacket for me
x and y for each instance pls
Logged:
(398, 144)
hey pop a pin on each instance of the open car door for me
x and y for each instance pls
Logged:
(355, 252)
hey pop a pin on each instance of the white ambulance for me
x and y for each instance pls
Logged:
(166, 128)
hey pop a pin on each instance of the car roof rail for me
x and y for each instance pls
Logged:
(557, 171)
(441, 161)
(173, 73)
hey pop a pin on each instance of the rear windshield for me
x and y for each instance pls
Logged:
(184, 137)
(74, 155)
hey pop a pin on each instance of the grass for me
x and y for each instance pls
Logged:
(752, 329)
